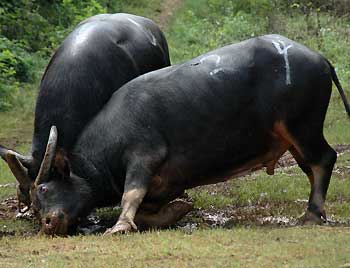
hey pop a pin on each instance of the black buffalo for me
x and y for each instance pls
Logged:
(226, 113)
(98, 57)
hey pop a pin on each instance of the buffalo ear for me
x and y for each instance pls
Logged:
(62, 163)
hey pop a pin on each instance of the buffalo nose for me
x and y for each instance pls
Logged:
(53, 220)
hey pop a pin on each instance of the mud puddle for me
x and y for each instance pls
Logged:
(228, 217)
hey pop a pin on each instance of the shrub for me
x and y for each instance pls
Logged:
(15, 66)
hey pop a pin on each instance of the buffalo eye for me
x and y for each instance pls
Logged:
(43, 189)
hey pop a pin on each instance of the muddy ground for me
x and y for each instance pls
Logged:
(260, 214)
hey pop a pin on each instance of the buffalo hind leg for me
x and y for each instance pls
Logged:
(315, 157)
(307, 217)
(317, 160)
(303, 165)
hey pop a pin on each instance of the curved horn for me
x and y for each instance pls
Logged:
(3, 152)
(18, 170)
(48, 157)
(26, 161)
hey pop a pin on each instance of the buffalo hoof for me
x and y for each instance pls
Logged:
(310, 218)
(121, 227)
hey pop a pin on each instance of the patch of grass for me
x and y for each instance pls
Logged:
(240, 247)
(205, 199)
(18, 138)
(108, 214)
(286, 185)
(6, 192)
(20, 227)
(17, 124)
(283, 194)
(189, 42)
(338, 210)
(337, 124)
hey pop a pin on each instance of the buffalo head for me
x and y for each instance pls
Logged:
(56, 196)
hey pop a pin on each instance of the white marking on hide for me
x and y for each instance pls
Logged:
(284, 51)
(215, 71)
(153, 39)
(149, 34)
(216, 57)
(134, 22)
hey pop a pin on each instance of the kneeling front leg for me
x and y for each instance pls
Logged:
(139, 173)
(131, 201)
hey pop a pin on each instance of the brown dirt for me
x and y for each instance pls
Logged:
(255, 215)
(8, 208)
(260, 214)
(167, 11)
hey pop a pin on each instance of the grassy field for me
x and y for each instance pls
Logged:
(257, 215)
(241, 247)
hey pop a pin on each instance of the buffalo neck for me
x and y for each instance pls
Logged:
(96, 176)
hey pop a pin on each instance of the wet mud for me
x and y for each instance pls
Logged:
(262, 214)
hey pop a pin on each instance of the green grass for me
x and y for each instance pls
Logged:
(280, 191)
(15, 133)
(240, 247)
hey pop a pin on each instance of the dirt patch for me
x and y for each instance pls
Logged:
(8, 208)
(261, 214)
(167, 10)
(254, 215)
(14, 141)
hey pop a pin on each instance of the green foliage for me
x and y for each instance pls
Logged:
(41, 25)
(15, 61)
(189, 35)
(15, 67)
(30, 30)
(336, 7)
(204, 25)
(208, 24)
(21, 21)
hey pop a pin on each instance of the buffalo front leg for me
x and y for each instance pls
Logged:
(141, 168)
(131, 201)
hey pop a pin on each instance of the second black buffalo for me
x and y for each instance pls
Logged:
(98, 57)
